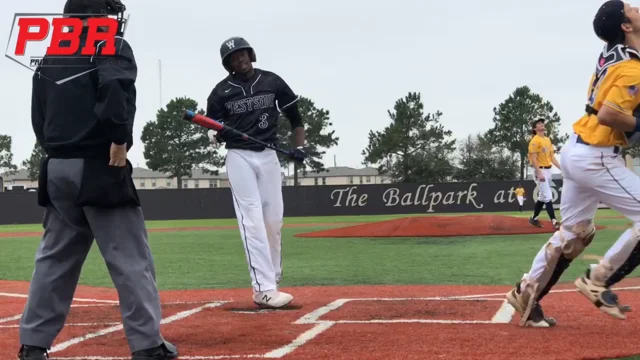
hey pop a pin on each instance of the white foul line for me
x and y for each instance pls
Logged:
(178, 316)
(74, 299)
(12, 318)
(71, 324)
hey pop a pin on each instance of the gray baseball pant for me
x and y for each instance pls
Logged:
(69, 232)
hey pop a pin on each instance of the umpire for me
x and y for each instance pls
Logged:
(82, 114)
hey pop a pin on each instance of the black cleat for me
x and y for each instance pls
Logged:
(165, 351)
(32, 353)
(535, 222)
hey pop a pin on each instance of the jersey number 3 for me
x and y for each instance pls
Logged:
(595, 86)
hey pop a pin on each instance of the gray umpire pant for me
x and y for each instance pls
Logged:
(69, 232)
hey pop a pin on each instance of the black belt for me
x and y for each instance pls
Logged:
(590, 110)
(616, 148)
(544, 167)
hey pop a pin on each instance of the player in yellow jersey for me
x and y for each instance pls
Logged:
(520, 196)
(541, 157)
(594, 172)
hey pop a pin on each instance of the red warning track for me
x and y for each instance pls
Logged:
(378, 322)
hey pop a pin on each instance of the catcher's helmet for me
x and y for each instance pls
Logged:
(84, 9)
(232, 45)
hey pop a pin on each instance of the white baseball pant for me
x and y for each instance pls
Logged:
(592, 175)
(544, 187)
(256, 186)
(520, 200)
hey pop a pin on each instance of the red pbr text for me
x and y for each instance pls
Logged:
(99, 29)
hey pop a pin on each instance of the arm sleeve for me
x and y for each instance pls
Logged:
(293, 115)
(284, 95)
(116, 81)
(624, 94)
(37, 109)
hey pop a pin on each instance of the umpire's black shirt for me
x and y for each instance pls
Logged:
(82, 104)
(250, 106)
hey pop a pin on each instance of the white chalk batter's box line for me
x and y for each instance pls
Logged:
(503, 314)
(322, 326)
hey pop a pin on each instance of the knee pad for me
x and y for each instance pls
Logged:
(585, 232)
(560, 252)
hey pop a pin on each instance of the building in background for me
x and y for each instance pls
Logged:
(145, 179)
(340, 175)
(18, 179)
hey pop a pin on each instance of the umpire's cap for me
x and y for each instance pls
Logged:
(608, 21)
(232, 45)
(94, 7)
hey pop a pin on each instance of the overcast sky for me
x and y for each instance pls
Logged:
(354, 58)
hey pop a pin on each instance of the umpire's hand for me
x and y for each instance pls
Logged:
(118, 155)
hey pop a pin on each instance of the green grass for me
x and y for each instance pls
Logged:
(215, 259)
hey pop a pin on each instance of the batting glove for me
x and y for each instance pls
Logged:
(298, 154)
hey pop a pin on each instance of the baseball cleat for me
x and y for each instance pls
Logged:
(531, 314)
(535, 222)
(32, 353)
(602, 297)
(272, 299)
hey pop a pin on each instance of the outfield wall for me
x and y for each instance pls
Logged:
(20, 207)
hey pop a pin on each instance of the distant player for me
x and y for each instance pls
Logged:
(541, 157)
(593, 172)
(520, 196)
(250, 100)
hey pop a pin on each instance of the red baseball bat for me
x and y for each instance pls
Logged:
(218, 126)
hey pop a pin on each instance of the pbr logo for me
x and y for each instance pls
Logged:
(36, 36)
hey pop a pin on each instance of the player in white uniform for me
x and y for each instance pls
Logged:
(250, 100)
(593, 172)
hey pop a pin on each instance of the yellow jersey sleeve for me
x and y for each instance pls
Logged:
(535, 146)
(624, 94)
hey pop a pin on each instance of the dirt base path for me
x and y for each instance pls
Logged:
(372, 322)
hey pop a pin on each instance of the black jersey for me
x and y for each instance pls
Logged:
(251, 106)
(80, 105)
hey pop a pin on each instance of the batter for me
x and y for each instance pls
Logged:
(250, 100)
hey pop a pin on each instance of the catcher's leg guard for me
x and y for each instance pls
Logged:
(550, 263)
(618, 262)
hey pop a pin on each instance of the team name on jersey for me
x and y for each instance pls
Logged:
(251, 103)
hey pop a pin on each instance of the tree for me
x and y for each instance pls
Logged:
(415, 147)
(479, 160)
(512, 123)
(6, 156)
(175, 146)
(317, 137)
(32, 164)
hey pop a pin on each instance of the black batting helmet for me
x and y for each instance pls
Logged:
(232, 45)
(84, 9)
